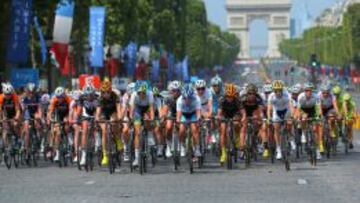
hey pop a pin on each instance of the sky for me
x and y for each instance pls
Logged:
(258, 28)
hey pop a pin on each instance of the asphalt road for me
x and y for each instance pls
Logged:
(334, 180)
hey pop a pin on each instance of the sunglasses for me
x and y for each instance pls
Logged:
(308, 90)
(201, 89)
(251, 93)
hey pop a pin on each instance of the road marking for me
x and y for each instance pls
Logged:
(301, 182)
(91, 182)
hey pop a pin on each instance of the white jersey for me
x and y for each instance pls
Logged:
(205, 99)
(326, 102)
(136, 101)
(307, 102)
(279, 103)
(191, 107)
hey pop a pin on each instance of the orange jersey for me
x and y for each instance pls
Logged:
(61, 107)
(9, 105)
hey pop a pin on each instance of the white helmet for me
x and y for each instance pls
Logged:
(267, 88)
(88, 89)
(200, 84)
(296, 89)
(59, 91)
(216, 81)
(130, 88)
(45, 98)
(174, 85)
(7, 88)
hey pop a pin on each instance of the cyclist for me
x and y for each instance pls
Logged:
(109, 110)
(124, 116)
(158, 105)
(141, 108)
(349, 109)
(328, 109)
(217, 92)
(205, 98)
(267, 90)
(87, 104)
(169, 110)
(253, 105)
(9, 110)
(230, 107)
(31, 110)
(308, 106)
(279, 109)
(59, 108)
(188, 109)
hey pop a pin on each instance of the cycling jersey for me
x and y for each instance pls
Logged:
(9, 105)
(88, 107)
(170, 102)
(61, 109)
(188, 108)
(30, 106)
(205, 99)
(294, 102)
(251, 106)
(308, 105)
(280, 105)
(108, 105)
(141, 106)
(350, 108)
(230, 109)
(215, 99)
(158, 103)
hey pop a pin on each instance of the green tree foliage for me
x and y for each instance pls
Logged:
(333, 45)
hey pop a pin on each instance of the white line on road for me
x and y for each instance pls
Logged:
(301, 182)
(91, 182)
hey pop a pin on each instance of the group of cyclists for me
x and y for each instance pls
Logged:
(180, 106)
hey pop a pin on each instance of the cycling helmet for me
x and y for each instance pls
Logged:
(267, 88)
(130, 88)
(337, 90)
(277, 85)
(251, 88)
(7, 88)
(30, 87)
(216, 81)
(187, 91)
(325, 87)
(59, 92)
(295, 89)
(45, 99)
(347, 96)
(174, 85)
(230, 90)
(142, 86)
(309, 86)
(88, 89)
(200, 84)
(106, 86)
(155, 91)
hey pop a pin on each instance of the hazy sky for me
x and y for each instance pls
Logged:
(258, 29)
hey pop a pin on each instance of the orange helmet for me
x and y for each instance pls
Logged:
(106, 85)
(230, 90)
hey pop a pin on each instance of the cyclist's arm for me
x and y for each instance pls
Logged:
(345, 108)
(118, 111)
(269, 110)
(210, 108)
(292, 109)
(98, 113)
(334, 102)
(164, 111)
(17, 110)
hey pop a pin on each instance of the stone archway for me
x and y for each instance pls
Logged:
(276, 13)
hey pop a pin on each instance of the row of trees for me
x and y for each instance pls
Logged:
(178, 26)
(332, 45)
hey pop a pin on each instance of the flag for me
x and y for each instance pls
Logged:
(42, 41)
(17, 46)
(96, 36)
(68, 65)
(131, 50)
(62, 31)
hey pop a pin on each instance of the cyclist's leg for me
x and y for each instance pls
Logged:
(84, 138)
(4, 133)
(26, 134)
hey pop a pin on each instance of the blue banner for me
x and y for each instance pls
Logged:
(185, 70)
(171, 66)
(21, 76)
(131, 58)
(42, 41)
(178, 71)
(17, 47)
(96, 36)
(155, 70)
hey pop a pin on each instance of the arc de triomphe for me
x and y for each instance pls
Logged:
(276, 13)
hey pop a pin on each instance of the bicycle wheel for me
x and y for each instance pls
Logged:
(111, 164)
(78, 155)
(176, 155)
(190, 154)
(7, 159)
(153, 156)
